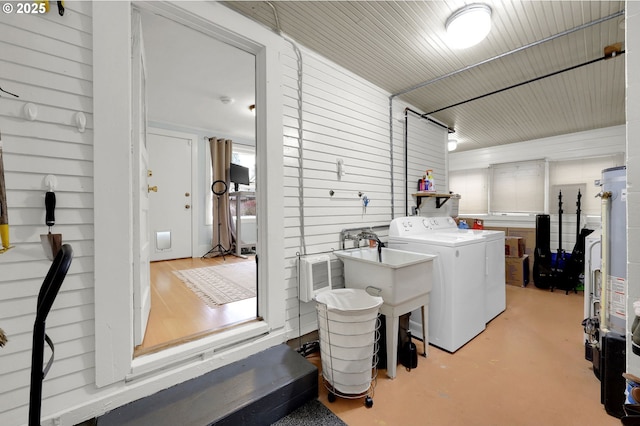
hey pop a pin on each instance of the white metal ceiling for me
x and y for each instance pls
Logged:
(400, 44)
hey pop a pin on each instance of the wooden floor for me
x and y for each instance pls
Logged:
(178, 315)
(526, 368)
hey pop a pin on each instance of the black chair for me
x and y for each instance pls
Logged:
(48, 292)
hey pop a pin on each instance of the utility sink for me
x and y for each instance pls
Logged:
(400, 275)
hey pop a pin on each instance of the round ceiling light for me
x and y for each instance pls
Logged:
(468, 26)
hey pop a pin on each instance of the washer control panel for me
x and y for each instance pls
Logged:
(417, 225)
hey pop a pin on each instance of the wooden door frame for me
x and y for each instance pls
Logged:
(114, 363)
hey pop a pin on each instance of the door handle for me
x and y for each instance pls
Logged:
(152, 188)
(187, 206)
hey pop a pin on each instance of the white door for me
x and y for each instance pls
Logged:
(171, 206)
(141, 274)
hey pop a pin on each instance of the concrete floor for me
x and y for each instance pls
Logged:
(526, 368)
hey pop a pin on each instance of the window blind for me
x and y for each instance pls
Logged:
(472, 185)
(517, 187)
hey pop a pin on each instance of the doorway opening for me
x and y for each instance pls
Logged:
(200, 86)
(178, 315)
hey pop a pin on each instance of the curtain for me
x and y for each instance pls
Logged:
(220, 163)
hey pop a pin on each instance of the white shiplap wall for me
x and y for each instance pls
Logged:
(47, 61)
(592, 143)
(347, 118)
(425, 151)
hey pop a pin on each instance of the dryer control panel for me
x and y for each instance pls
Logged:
(417, 225)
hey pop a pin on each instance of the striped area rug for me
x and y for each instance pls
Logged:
(221, 284)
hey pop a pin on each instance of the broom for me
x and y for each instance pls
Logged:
(4, 214)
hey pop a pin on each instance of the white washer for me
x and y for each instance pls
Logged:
(495, 285)
(457, 307)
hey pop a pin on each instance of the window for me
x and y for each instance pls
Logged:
(246, 156)
(517, 187)
(243, 155)
(472, 187)
(520, 187)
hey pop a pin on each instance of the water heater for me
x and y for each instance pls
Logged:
(613, 296)
(614, 249)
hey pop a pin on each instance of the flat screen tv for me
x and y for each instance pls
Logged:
(239, 175)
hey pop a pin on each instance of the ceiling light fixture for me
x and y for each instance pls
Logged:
(226, 100)
(468, 26)
(453, 144)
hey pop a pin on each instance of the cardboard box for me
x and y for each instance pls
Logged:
(529, 236)
(498, 228)
(513, 247)
(516, 271)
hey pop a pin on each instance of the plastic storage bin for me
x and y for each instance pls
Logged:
(348, 330)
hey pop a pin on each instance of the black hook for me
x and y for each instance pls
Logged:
(12, 94)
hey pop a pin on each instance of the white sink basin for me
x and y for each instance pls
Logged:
(401, 276)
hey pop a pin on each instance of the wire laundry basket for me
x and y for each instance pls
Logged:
(349, 331)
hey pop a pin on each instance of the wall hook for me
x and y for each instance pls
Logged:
(50, 182)
(358, 194)
(30, 111)
(340, 168)
(81, 121)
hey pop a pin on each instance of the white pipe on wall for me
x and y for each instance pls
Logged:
(604, 269)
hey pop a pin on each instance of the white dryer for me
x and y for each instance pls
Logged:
(457, 303)
(495, 285)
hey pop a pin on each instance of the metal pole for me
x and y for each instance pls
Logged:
(502, 55)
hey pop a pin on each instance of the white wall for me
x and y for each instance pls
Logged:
(46, 60)
(632, 48)
(426, 150)
(344, 117)
(591, 143)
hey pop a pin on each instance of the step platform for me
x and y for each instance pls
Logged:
(257, 390)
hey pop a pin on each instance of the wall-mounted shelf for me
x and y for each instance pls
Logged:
(440, 198)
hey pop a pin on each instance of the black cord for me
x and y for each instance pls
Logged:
(309, 348)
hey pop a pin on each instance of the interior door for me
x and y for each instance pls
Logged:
(141, 271)
(171, 206)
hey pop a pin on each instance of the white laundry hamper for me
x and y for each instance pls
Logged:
(348, 330)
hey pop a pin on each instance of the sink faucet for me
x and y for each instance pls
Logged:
(346, 235)
(370, 235)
